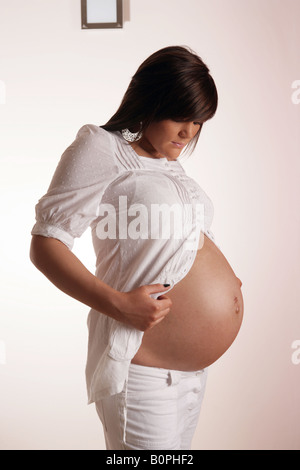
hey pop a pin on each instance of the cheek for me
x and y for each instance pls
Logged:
(152, 135)
(157, 138)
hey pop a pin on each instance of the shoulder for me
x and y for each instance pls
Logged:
(92, 130)
(93, 136)
(93, 144)
(96, 136)
(89, 159)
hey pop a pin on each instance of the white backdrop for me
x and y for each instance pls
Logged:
(54, 78)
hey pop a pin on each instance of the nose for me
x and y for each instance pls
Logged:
(187, 130)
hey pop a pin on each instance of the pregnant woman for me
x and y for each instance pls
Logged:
(165, 303)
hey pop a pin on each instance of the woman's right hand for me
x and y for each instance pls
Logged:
(138, 309)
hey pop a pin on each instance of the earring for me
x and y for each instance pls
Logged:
(132, 136)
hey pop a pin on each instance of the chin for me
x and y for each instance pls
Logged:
(172, 155)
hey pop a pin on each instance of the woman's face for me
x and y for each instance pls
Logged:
(167, 138)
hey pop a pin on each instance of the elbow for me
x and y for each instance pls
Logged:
(33, 252)
(37, 250)
(43, 250)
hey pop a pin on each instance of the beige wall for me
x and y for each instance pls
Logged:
(54, 77)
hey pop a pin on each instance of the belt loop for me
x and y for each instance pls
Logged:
(174, 376)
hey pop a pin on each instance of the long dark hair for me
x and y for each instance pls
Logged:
(173, 83)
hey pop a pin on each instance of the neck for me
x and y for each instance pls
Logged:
(145, 149)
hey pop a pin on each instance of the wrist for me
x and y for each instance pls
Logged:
(108, 300)
(116, 302)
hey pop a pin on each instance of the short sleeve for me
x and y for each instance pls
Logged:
(73, 198)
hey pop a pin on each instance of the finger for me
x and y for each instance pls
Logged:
(160, 319)
(163, 302)
(153, 288)
(162, 297)
(161, 315)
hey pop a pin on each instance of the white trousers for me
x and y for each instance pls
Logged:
(157, 409)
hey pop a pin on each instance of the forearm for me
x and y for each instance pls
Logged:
(66, 272)
(135, 308)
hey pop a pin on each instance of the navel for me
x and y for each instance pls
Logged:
(237, 308)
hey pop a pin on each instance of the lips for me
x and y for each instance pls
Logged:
(179, 145)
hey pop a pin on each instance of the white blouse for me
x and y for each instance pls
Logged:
(146, 217)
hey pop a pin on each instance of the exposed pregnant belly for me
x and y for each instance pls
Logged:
(206, 315)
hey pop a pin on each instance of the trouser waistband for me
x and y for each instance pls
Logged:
(173, 376)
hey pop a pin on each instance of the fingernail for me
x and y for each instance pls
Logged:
(166, 285)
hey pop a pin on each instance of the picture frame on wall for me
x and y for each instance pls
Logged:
(101, 14)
